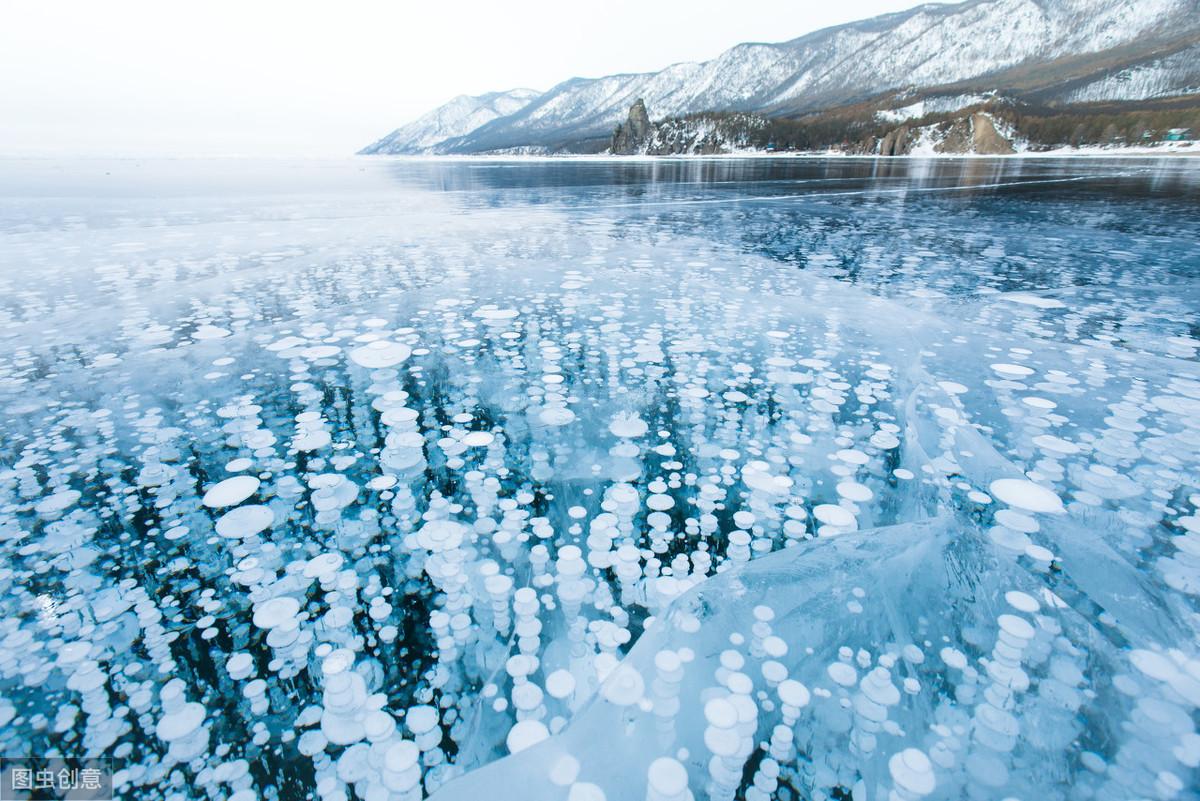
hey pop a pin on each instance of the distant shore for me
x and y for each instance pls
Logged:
(1088, 153)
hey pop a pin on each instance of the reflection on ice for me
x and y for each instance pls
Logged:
(517, 491)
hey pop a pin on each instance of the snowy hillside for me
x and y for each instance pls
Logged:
(931, 105)
(1176, 74)
(461, 115)
(930, 45)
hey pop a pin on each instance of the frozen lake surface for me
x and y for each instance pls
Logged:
(716, 479)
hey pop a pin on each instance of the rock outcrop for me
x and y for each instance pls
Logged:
(987, 139)
(695, 134)
(632, 136)
(897, 142)
(976, 133)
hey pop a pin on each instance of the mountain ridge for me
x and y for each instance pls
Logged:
(460, 115)
(908, 51)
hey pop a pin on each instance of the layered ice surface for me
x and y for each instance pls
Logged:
(603, 480)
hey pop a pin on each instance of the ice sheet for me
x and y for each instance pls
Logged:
(792, 481)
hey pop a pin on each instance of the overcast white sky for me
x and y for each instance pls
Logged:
(300, 77)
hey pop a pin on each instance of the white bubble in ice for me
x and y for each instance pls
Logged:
(793, 693)
(721, 713)
(401, 757)
(324, 565)
(556, 416)
(954, 658)
(1017, 627)
(913, 772)
(492, 313)
(52, 504)
(852, 456)
(628, 426)
(842, 674)
(180, 723)
(884, 440)
(231, 491)
(667, 777)
(1021, 601)
(585, 791)
(421, 719)
(564, 771)
(525, 734)
(853, 491)
(1012, 370)
(1153, 664)
(1025, 494)
(245, 521)
(560, 684)
(239, 665)
(660, 503)
(1055, 445)
(380, 354)
(205, 332)
(478, 439)
(624, 686)
(276, 612)
(441, 535)
(833, 515)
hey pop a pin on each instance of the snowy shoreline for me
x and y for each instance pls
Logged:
(1116, 153)
(1082, 153)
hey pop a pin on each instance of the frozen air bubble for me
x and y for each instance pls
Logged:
(628, 426)
(1026, 495)
(833, 515)
(842, 674)
(560, 684)
(855, 492)
(564, 771)
(478, 439)
(245, 521)
(585, 791)
(231, 491)
(1012, 370)
(380, 353)
(53, 504)
(180, 723)
(1022, 602)
(1018, 627)
(912, 771)
(525, 734)
(793, 693)
(624, 686)
(276, 612)
(667, 777)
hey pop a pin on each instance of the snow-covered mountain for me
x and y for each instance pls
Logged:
(460, 116)
(930, 45)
